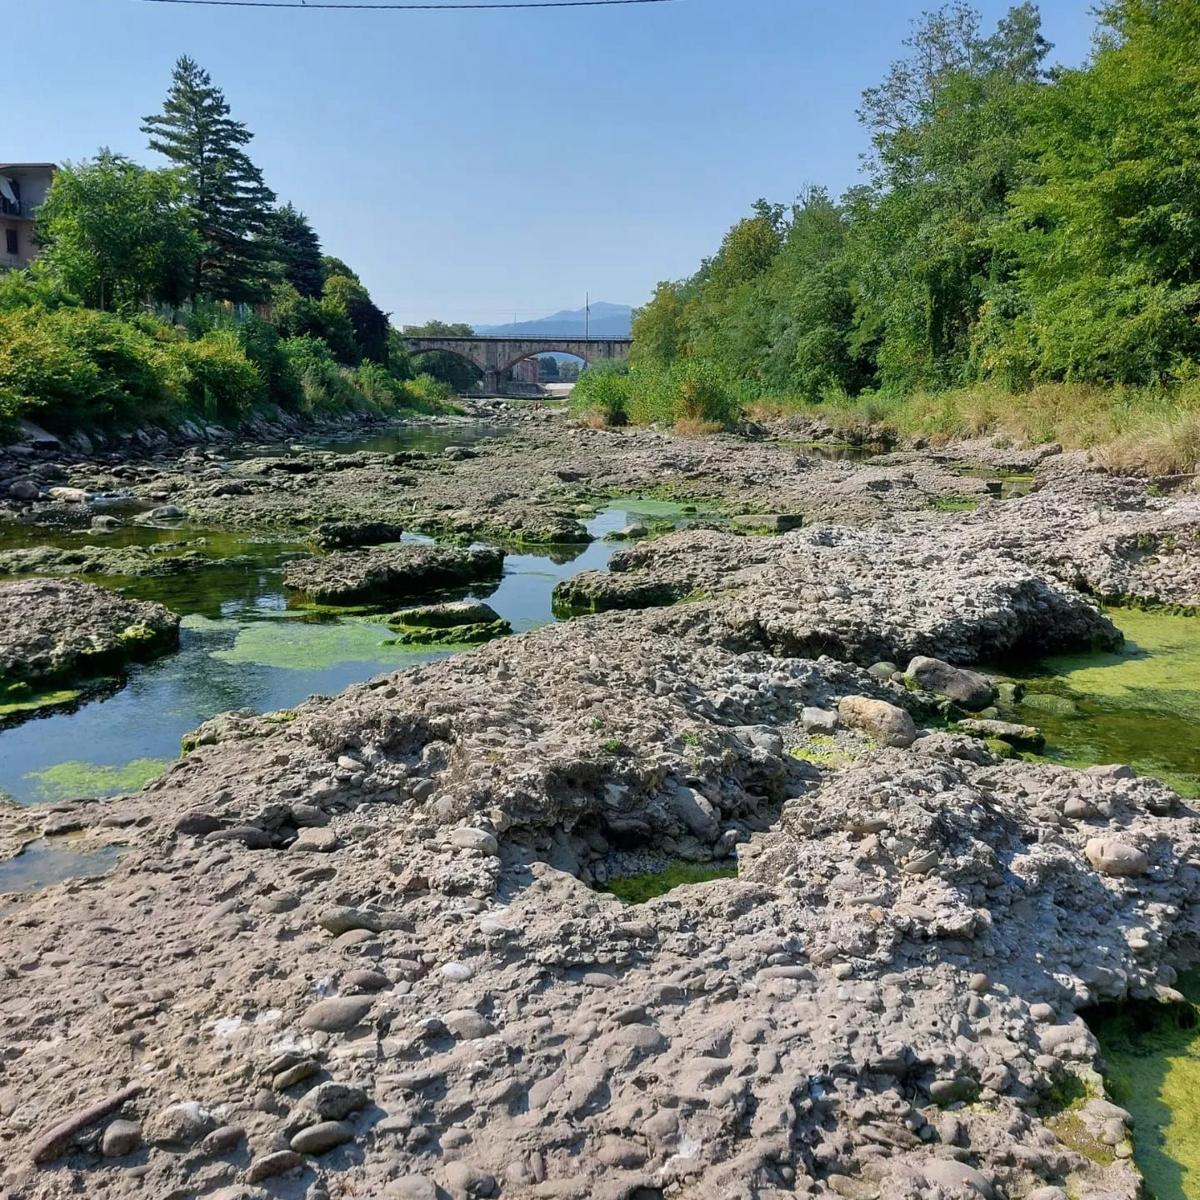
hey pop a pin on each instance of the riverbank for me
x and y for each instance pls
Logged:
(387, 966)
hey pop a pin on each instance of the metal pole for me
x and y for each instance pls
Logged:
(587, 318)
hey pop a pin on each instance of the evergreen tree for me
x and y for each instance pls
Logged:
(297, 250)
(224, 189)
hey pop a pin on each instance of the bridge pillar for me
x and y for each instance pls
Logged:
(491, 382)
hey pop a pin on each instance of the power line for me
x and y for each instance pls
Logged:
(408, 7)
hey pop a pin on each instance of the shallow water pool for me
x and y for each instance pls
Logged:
(1139, 705)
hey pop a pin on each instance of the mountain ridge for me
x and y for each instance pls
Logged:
(607, 320)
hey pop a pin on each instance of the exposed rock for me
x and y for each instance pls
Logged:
(54, 628)
(966, 688)
(381, 575)
(887, 723)
(341, 535)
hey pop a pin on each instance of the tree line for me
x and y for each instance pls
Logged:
(189, 289)
(1018, 225)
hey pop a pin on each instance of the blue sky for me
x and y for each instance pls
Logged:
(487, 166)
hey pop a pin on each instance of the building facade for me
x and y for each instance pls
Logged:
(23, 187)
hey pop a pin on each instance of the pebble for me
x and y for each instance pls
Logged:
(272, 1165)
(120, 1138)
(337, 1014)
(320, 1139)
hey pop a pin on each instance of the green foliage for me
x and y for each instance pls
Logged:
(297, 250)
(1018, 227)
(324, 384)
(368, 323)
(229, 202)
(73, 367)
(1103, 232)
(326, 319)
(605, 390)
(117, 235)
(215, 377)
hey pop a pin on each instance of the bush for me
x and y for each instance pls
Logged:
(215, 377)
(74, 367)
(324, 386)
(262, 345)
(604, 390)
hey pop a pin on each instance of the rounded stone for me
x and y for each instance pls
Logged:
(320, 1139)
(336, 1015)
(120, 1138)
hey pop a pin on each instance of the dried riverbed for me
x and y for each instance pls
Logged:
(354, 945)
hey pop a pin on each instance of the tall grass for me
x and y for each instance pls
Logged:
(1154, 431)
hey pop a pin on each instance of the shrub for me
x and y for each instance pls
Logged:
(427, 393)
(74, 367)
(215, 376)
(323, 384)
(604, 390)
(262, 345)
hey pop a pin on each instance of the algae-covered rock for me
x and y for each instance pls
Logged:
(445, 616)
(1021, 737)
(375, 576)
(463, 622)
(602, 591)
(342, 535)
(56, 630)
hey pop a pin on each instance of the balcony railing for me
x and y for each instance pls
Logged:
(9, 209)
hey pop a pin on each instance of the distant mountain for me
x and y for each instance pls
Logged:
(608, 320)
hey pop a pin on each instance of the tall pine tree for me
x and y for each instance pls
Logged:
(224, 189)
(297, 250)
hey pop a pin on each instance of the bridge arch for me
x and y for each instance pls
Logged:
(496, 355)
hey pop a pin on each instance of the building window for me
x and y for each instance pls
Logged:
(10, 241)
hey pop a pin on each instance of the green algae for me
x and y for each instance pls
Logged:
(20, 699)
(1152, 1053)
(950, 504)
(456, 635)
(1138, 705)
(822, 751)
(639, 507)
(313, 645)
(637, 889)
(69, 780)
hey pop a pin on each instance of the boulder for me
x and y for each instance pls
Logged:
(965, 688)
(887, 723)
(1112, 857)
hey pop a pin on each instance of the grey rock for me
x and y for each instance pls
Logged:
(966, 688)
(120, 1138)
(321, 1138)
(337, 1014)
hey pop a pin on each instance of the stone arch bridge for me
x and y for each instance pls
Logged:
(496, 355)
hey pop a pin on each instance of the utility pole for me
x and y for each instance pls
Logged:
(587, 317)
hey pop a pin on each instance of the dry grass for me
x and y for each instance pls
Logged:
(695, 427)
(593, 418)
(1148, 431)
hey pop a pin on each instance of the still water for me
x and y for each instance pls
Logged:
(243, 647)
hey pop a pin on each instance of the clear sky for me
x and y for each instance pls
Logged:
(486, 166)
